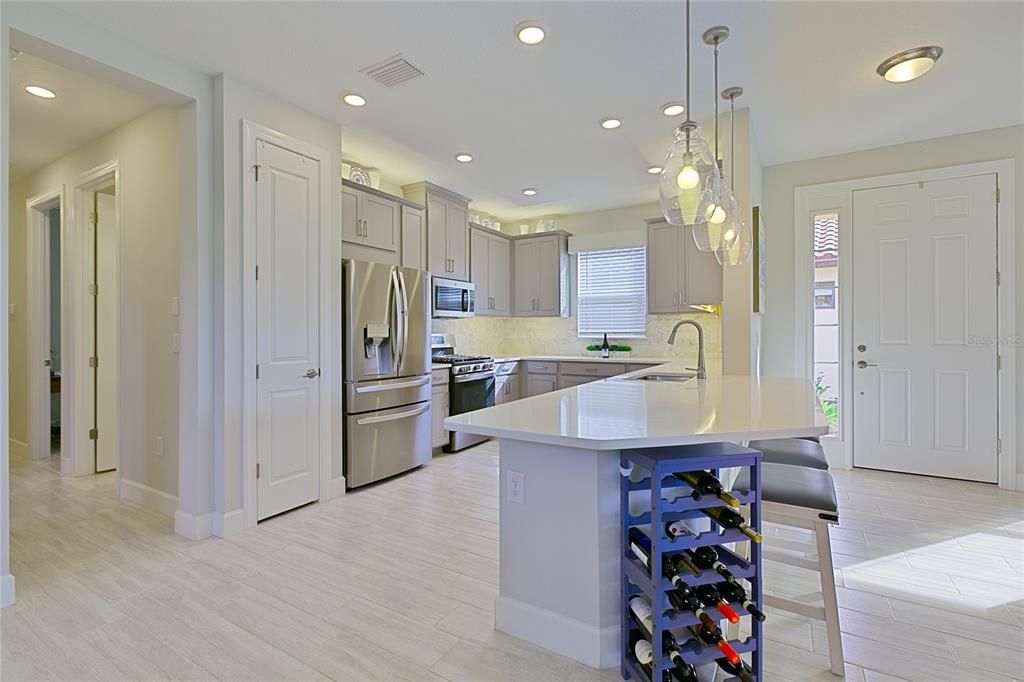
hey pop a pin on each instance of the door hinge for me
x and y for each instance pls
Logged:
(257, 371)
(257, 469)
(94, 361)
(998, 195)
(94, 289)
(93, 218)
(94, 434)
(256, 168)
(999, 278)
(999, 446)
(257, 272)
(999, 361)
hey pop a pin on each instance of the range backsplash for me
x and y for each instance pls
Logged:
(516, 336)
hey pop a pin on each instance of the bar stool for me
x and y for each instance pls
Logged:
(795, 451)
(804, 497)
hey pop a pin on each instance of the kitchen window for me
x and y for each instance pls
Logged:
(611, 291)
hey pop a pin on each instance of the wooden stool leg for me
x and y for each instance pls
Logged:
(828, 591)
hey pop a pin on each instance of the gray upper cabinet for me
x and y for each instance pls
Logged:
(541, 275)
(678, 273)
(490, 270)
(370, 219)
(414, 242)
(447, 223)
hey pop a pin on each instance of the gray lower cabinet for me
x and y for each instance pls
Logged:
(541, 265)
(537, 384)
(490, 259)
(438, 408)
(678, 273)
(506, 388)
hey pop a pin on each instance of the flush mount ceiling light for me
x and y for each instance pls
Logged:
(463, 157)
(354, 100)
(654, 170)
(529, 33)
(673, 109)
(530, 192)
(40, 91)
(610, 123)
(910, 64)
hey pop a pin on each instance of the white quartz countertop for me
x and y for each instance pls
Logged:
(584, 358)
(617, 413)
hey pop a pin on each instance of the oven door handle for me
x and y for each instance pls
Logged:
(394, 387)
(394, 417)
(479, 376)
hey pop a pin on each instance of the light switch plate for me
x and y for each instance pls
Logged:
(175, 342)
(175, 306)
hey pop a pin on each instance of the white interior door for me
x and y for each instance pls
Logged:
(924, 328)
(106, 330)
(288, 329)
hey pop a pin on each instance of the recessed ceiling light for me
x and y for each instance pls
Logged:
(610, 123)
(354, 100)
(673, 109)
(654, 170)
(529, 33)
(463, 158)
(910, 64)
(529, 191)
(40, 91)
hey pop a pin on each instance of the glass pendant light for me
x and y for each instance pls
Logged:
(739, 250)
(689, 166)
(715, 231)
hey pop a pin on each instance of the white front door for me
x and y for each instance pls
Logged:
(288, 329)
(924, 328)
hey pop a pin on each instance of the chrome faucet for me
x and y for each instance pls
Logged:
(700, 369)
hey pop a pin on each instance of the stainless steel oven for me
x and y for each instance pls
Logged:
(452, 298)
(466, 393)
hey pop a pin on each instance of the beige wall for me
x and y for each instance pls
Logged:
(781, 180)
(147, 152)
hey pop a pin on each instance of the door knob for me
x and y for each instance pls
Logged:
(861, 364)
(861, 348)
(311, 374)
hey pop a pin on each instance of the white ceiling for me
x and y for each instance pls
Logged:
(43, 130)
(529, 115)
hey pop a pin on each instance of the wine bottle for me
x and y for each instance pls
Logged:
(727, 518)
(714, 638)
(734, 592)
(670, 647)
(740, 670)
(640, 545)
(676, 529)
(605, 349)
(673, 573)
(688, 602)
(709, 596)
(707, 484)
(641, 609)
(706, 558)
(641, 647)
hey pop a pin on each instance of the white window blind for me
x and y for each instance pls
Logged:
(611, 288)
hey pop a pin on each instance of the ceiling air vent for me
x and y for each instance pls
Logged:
(392, 71)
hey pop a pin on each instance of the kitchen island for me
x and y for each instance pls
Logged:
(559, 486)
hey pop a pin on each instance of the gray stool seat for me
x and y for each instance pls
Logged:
(794, 485)
(795, 451)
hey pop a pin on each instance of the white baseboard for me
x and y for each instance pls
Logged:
(18, 449)
(150, 498)
(227, 524)
(193, 527)
(1020, 482)
(6, 590)
(596, 647)
(334, 488)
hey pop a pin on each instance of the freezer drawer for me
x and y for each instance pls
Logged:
(385, 443)
(367, 396)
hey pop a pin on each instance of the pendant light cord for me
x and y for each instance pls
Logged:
(732, 143)
(716, 107)
(687, 59)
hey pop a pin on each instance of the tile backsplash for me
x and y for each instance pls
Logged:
(512, 336)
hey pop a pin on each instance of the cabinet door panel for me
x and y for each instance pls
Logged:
(498, 258)
(537, 384)
(479, 270)
(525, 269)
(413, 243)
(663, 265)
(438, 412)
(381, 220)
(703, 276)
(546, 276)
(458, 240)
(437, 236)
(350, 227)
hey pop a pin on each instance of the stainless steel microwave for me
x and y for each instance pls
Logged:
(453, 298)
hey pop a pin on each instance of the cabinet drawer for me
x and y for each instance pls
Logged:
(439, 379)
(569, 381)
(633, 366)
(503, 368)
(540, 367)
(592, 369)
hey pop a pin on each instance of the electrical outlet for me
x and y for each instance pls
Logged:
(516, 483)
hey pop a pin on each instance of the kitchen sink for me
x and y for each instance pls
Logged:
(662, 377)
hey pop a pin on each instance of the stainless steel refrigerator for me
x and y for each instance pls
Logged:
(387, 370)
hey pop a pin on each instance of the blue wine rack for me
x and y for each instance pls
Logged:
(671, 499)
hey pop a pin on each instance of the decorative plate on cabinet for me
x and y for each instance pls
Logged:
(486, 221)
(359, 176)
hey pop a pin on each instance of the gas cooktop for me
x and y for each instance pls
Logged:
(455, 358)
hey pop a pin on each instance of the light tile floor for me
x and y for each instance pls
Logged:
(397, 582)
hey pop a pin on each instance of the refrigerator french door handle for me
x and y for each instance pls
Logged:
(396, 334)
(405, 316)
